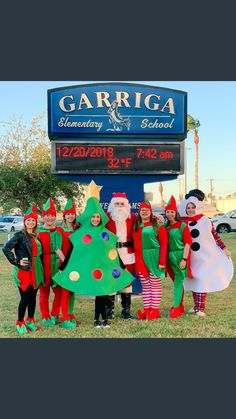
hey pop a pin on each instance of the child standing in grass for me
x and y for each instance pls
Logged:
(28, 269)
(211, 265)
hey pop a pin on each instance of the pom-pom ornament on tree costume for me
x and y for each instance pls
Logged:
(94, 267)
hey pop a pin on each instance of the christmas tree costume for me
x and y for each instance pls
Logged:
(51, 240)
(68, 320)
(150, 246)
(212, 270)
(178, 237)
(121, 223)
(29, 277)
(93, 268)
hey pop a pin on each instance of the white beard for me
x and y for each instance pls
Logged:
(120, 214)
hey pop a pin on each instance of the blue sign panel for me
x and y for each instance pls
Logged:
(119, 110)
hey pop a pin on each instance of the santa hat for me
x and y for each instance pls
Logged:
(119, 197)
(171, 204)
(145, 204)
(31, 212)
(69, 208)
(49, 208)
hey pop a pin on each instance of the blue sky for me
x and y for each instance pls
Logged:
(213, 103)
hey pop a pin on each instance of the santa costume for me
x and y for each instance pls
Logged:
(178, 237)
(150, 246)
(121, 222)
(51, 240)
(211, 268)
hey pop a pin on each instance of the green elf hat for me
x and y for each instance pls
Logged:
(171, 204)
(69, 208)
(49, 208)
(31, 212)
(146, 204)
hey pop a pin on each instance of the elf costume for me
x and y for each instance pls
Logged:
(51, 240)
(212, 270)
(178, 237)
(68, 320)
(29, 277)
(93, 267)
(150, 246)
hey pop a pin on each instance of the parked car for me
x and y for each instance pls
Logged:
(225, 223)
(11, 223)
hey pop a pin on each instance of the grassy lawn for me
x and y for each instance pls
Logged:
(219, 322)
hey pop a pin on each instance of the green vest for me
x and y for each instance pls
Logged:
(176, 250)
(151, 250)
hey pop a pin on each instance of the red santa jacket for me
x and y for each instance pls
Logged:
(111, 225)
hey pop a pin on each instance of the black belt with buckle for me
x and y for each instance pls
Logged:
(124, 244)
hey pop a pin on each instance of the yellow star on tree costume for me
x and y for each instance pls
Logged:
(94, 190)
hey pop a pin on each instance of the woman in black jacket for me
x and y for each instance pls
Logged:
(28, 269)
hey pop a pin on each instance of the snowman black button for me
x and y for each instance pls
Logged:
(195, 233)
(195, 246)
(193, 223)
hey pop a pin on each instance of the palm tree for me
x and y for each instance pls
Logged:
(161, 193)
(193, 125)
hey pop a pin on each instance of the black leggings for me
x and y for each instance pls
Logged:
(28, 299)
(100, 307)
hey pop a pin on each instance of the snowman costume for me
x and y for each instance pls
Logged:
(212, 270)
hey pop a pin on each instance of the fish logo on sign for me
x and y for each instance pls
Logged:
(117, 120)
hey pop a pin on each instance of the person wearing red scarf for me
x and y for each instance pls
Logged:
(211, 265)
(150, 246)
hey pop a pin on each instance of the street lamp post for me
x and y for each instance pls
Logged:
(161, 193)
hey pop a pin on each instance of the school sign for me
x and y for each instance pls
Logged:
(121, 135)
(120, 109)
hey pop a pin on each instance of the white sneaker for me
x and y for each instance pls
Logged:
(200, 313)
(105, 325)
(191, 310)
(97, 324)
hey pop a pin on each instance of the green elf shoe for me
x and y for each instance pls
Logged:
(56, 319)
(74, 320)
(30, 323)
(67, 324)
(48, 322)
(21, 328)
